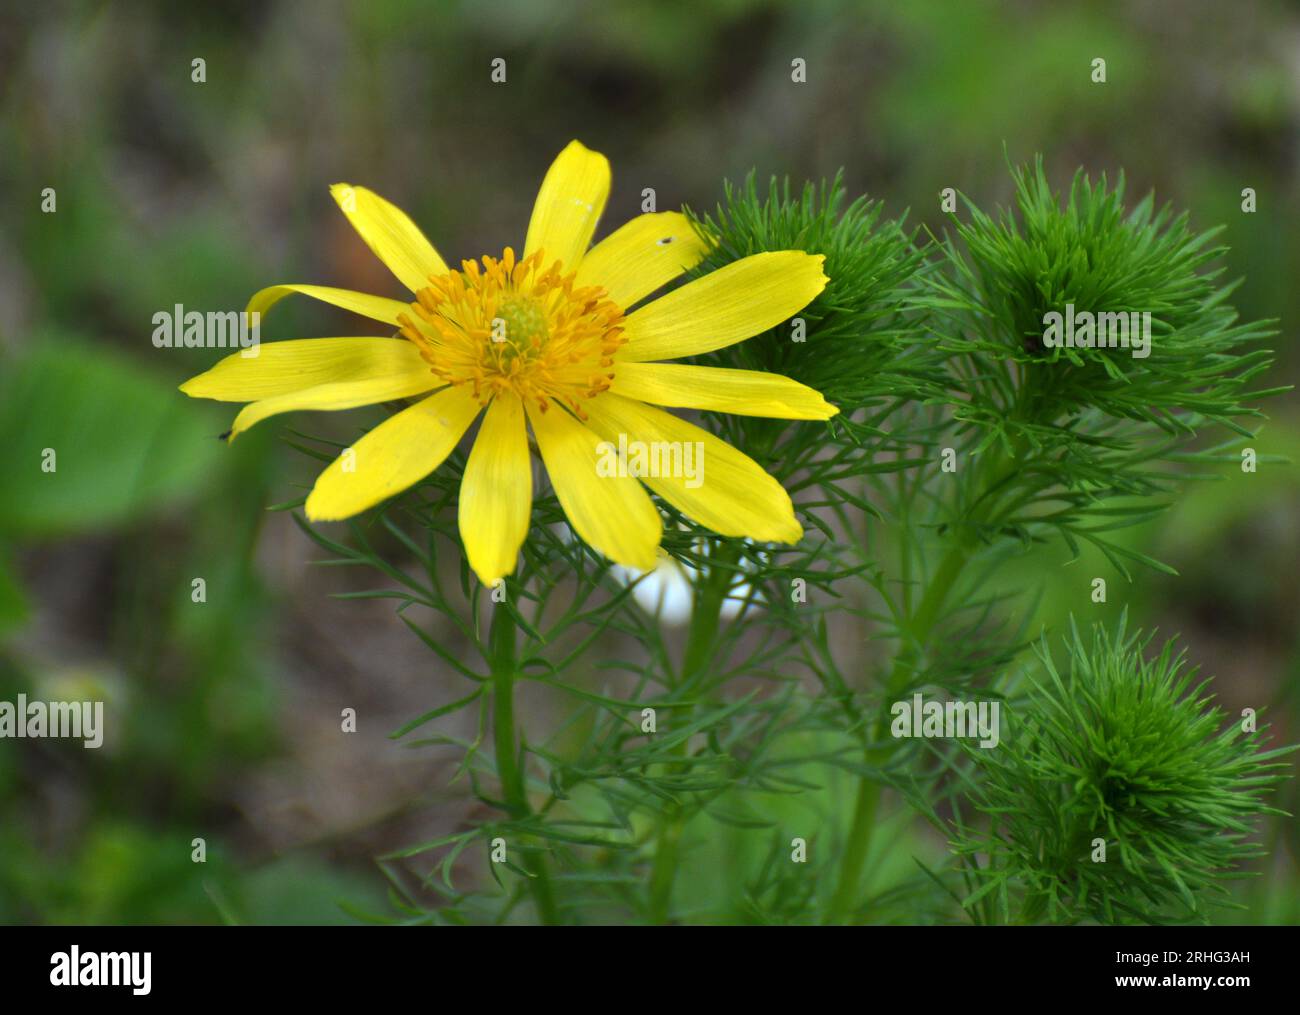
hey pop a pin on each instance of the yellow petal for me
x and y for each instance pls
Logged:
(343, 395)
(496, 493)
(397, 454)
(389, 232)
(377, 308)
(740, 392)
(723, 489)
(725, 306)
(281, 368)
(612, 513)
(641, 256)
(570, 201)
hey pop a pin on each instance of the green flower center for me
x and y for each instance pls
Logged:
(519, 327)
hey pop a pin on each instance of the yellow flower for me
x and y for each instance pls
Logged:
(549, 338)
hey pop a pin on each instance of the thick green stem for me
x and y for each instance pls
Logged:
(916, 634)
(706, 614)
(502, 639)
(991, 473)
(928, 612)
(663, 871)
(855, 850)
(868, 799)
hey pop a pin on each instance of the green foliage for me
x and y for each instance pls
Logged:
(600, 789)
(922, 348)
(1126, 748)
(136, 447)
(861, 344)
(858, 329)
(13, 604)
(171, 192)
(1092, 253)
(1084, 442)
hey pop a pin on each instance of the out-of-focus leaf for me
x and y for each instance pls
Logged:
(13, 603)
(92, 439)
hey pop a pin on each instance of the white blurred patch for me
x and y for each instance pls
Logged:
(668, 592)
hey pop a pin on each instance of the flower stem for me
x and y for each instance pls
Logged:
(855, 849)
(501, 649)
(868, 799)
(991, 472)
(706, 614)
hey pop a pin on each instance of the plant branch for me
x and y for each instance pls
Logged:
(502, 651)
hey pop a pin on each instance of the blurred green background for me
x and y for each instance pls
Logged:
(223, 716)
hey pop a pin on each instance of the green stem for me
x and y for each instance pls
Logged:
(706, 615)
(868, 799)
(927, 613)
(915, 636)
(513, 789)
(663, 870)
(855, 850)
(999, 466)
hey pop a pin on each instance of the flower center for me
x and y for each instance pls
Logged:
(515, 326)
